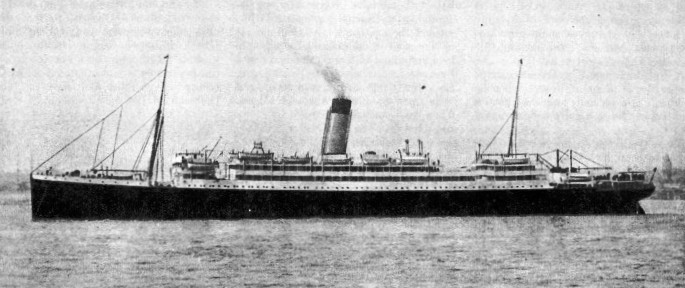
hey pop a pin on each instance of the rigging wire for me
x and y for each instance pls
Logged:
(156, 169)
(121, 111)
(95, 159)
(516, 134)
(576, 160)
(546, 162)
(500, 130)
(160, 160)
(543, 154)
(96, 123)
(129, 138)
(586, 158)
(142, 149)
(162, 153)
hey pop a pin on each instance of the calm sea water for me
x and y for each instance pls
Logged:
(608, 251)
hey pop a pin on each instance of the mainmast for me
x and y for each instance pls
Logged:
(512, 134)
(159, 121)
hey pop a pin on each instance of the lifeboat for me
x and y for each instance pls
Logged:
(371, 158)
(297, 159)
(579, 177)
(515, 161)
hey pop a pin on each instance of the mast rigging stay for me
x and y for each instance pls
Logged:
(96, 123)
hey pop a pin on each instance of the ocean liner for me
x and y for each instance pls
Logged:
(406, 182)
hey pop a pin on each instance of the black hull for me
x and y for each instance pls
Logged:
(65, 200)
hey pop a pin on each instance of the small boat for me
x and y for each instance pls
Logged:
(515, 161)
(371, 158)
(297, 159)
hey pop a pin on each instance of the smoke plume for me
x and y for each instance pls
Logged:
(332, 77)
(329, 73)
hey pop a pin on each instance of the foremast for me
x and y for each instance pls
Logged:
(159, 123)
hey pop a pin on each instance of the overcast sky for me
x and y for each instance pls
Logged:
(601, 77)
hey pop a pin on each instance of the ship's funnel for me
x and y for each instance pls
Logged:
(337, 127)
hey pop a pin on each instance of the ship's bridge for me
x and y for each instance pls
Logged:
(193, 165)
(192, 157)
